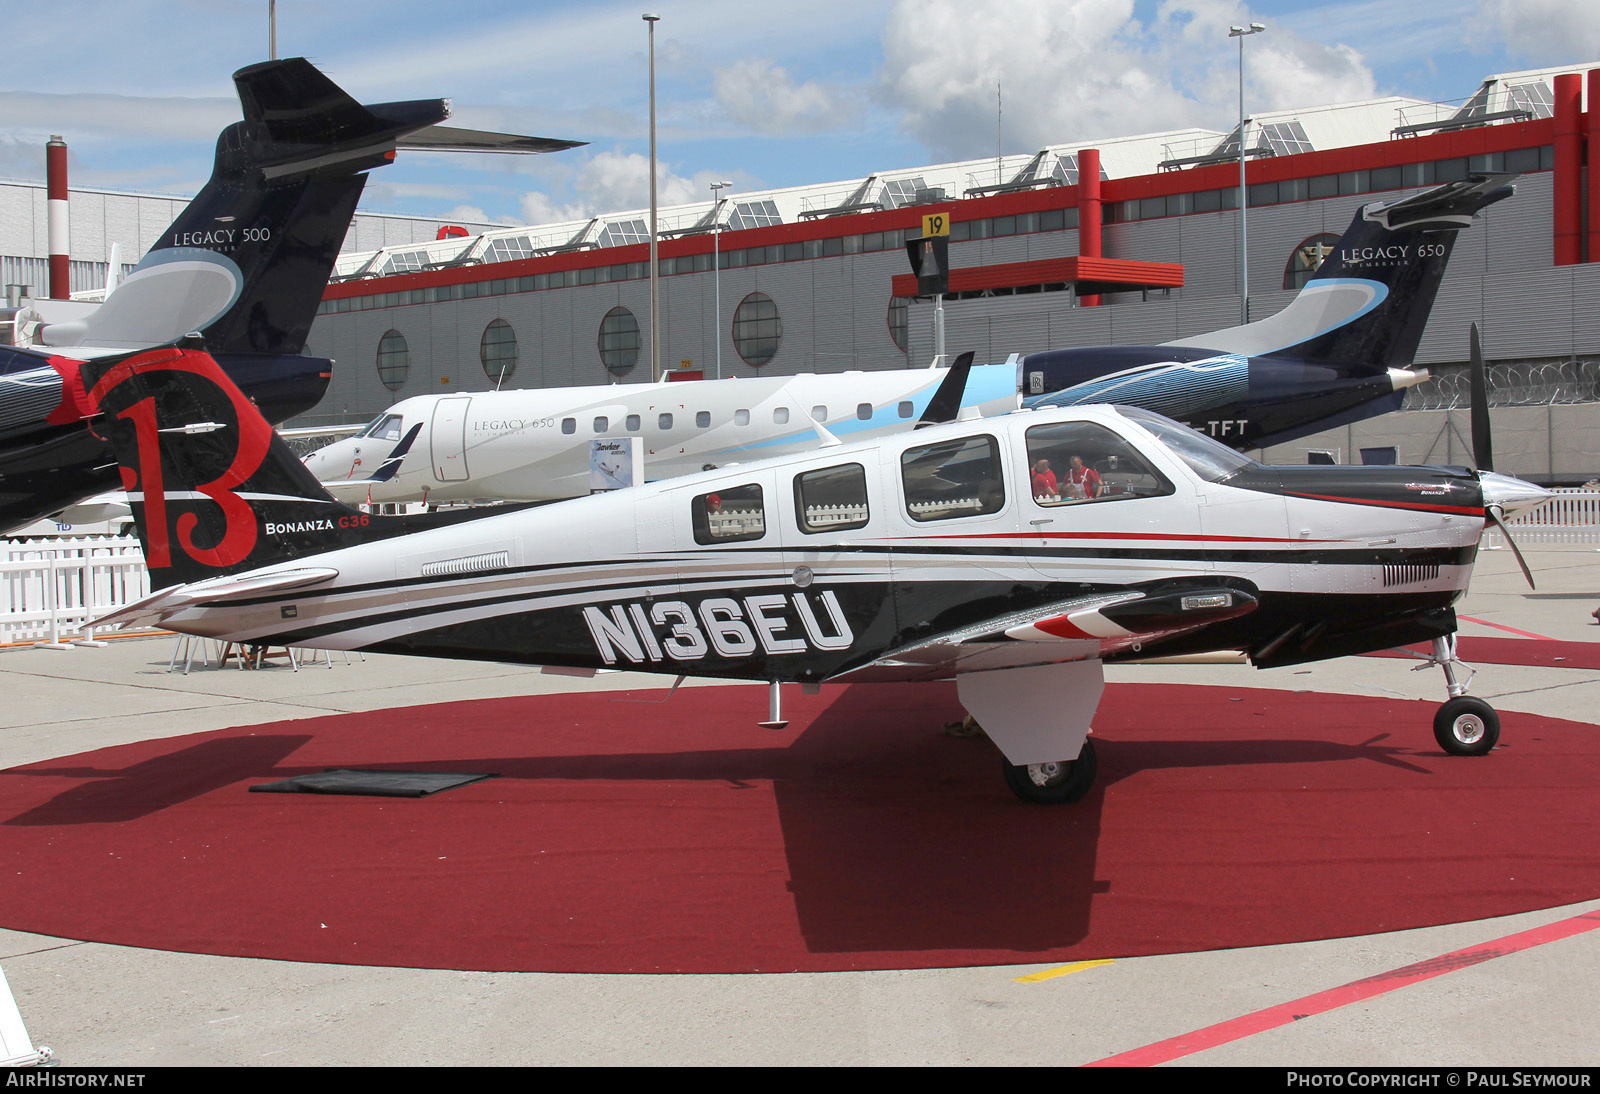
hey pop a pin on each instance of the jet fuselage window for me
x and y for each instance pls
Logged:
(741, 417)
(832, 499)
(633, 423)
(959, 478)
(664, 422)
(601, 423)
(729, 515)
(864, 412)
(569, 425)
(905, 408)
(819, 413)
(780, 415)
(1075, 462)
(702, 419)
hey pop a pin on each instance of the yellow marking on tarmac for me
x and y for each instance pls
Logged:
(1060, 970)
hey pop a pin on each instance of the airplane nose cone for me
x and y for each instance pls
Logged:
(1511, 495)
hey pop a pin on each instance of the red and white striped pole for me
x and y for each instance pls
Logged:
(55, 170)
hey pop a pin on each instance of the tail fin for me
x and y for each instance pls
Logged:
(1369, 300)
(213, 489)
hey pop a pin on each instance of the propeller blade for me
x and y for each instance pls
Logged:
(1482, 447)
(1494, 513)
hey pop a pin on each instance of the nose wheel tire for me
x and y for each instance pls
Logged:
(1059, 783)
(1465, 726)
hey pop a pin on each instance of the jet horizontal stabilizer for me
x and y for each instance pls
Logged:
(1452, 205)
(444, 138)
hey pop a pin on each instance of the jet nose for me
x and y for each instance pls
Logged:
(1511, 495)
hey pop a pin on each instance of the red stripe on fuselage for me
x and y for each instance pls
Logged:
(1421, 506)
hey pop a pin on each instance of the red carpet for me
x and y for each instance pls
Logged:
(1548, 652)
(681, 837)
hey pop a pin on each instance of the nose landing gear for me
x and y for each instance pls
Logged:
(1463, 726)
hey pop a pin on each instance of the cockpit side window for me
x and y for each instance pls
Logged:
(959, 478)
(385, 428)
(1075, 462)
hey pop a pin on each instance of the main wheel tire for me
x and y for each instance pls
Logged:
(1465, 726)
(1059, 783)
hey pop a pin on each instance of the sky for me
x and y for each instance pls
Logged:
(763, 95)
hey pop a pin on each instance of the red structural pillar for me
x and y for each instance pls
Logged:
(55, 173)
(1089, 212)
(1569, 169)
(1593, 131)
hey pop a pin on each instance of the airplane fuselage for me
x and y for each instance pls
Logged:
(825, 565)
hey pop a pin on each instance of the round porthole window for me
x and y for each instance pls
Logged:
(394, 360)
(619, 341)
(757, 329)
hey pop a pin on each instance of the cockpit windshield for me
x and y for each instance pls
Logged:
(1212, 460)
(385, 428)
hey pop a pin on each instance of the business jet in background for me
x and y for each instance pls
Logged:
(1338, 352)
(245, 264)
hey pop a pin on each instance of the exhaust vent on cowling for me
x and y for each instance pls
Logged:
(1409, 573)
(470, 564)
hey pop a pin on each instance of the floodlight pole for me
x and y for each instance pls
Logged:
(716, 263)
(1244, 194)
(655, 263)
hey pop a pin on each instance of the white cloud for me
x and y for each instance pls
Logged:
(1546, 32)
(611, 181)
(762, 96)
(1075, 69)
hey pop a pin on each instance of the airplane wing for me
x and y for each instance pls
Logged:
(1083, 628)
(154, 607)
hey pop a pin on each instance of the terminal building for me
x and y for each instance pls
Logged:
(1126, 239)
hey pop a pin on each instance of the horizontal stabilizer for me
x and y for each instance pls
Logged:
(1452, 205)
(444, 138)
(152, 608)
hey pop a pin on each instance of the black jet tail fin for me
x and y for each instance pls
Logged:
(1369, 299)
(214, 490)
(247, 260)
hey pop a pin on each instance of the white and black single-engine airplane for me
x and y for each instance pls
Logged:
(1015, 554)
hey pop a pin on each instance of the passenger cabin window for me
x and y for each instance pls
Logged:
(741, 417)
(702, 419)
(633, 423)
(953, 479)
(730, 515)
(780, 415)
(864, 412)
(832, 499)
(905, 408)
(664, 422)
(819, 413)
(569, 425)
(1075, 462)
(601, 424)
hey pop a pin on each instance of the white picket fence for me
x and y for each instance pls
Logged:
(51, 589)
(1571, 517)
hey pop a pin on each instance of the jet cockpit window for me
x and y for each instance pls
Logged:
(729, 515)
(1074, 462)
(951, 479)
(1212, 460)
(386, 428)
(831, 499)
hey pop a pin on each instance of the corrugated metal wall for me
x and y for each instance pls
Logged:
(834, 310)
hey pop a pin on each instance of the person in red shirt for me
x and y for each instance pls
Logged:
(1044, 481)
(1085, 480)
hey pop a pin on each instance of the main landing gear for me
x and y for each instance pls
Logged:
(1059, 783)
(1463, 726)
